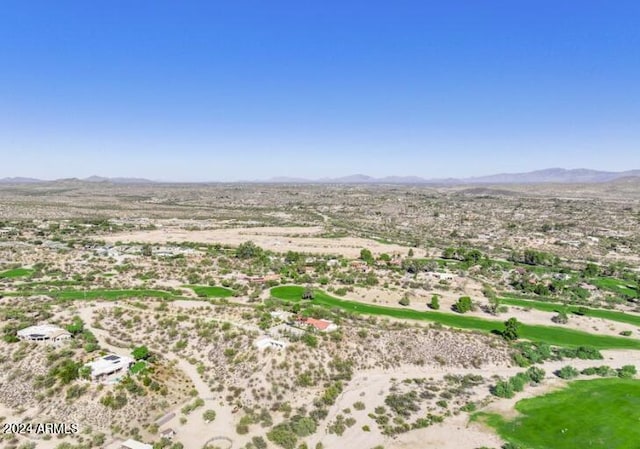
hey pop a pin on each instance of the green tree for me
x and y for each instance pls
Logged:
(366, 255)
(248, 250)
(140, 353)
(67, 371)
(76, 327)
(283, 436)
(510, 332)
(463, 305)
(435, 302)
(292, 257)
(303, 426)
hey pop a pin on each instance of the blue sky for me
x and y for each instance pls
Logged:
(197, 91)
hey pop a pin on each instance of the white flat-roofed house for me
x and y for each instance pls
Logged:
(133, 444)
(282, 315)
(442, 276)
(109, 364)
(266, 342)
(44, 332)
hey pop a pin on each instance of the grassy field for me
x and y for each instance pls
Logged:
(556, 307)
(47, 284)
(97, 294)
(16, 273)
(589, 414)
(553, 335)
(618, 286)
(210, 291)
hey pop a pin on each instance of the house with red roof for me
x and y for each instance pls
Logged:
(320, 324)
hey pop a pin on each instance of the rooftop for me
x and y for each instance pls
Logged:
(48, 330)
(109, 363)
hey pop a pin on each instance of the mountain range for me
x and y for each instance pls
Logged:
(551, 175)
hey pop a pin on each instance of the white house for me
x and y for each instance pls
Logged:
(442, 276)
(282, 315)
(133, 444)
(44, 332)
(109, 364)
(266, 342)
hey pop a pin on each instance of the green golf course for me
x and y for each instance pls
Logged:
(619, 286)
(593, 414)
(210, 291)
(553, 335)
(16, 273)
(96, 294)
(557, 307)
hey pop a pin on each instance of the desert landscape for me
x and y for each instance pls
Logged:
(319, 225)
(308, 316)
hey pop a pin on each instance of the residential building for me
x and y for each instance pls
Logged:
(108, 365)
(44, 332)
(321, 325)
(267, 342)
(133, 444)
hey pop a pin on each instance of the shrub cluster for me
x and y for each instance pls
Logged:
(508, 388)
(529, 353)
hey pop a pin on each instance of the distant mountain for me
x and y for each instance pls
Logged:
(551, 175)
(352, 179)
(19, 180)
(287, 180)
(95, 178)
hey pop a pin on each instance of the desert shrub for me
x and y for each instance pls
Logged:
(209, 415)
(602, 371)
(560, 318)
(359, 405)
(518, 381)
(283, 436)
(535, 374)
(567, 372)
(259, 442)
(403, 404)
(627, 371)
(310, 340)
(303, 426)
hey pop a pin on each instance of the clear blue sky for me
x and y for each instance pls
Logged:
(216, 90)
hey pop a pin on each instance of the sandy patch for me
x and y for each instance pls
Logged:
(278, 239)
